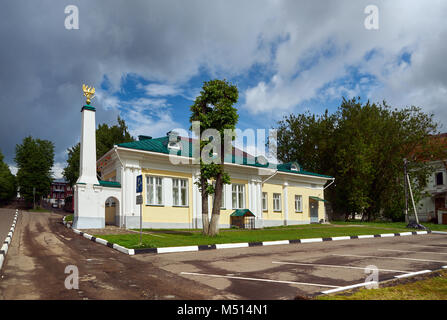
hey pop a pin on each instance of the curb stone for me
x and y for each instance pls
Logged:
(8, 239)
(233, 245)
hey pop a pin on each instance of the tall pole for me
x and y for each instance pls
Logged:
(406, 190)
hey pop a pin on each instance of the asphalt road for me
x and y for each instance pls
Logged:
(288, 271)
(6, 218)
(42, 248)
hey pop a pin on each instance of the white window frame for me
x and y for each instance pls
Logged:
(238, 190)
(277, 200)
(157, 189)
(265, 201)
(179, 188)
(298, 200)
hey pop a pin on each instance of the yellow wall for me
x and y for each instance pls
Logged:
(168, 214)
(225, 213)
(305, 193)
(270, 214)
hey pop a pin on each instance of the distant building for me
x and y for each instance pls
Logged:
(433, 207)
(60, 190)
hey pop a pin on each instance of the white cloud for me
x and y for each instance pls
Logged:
(156, 90)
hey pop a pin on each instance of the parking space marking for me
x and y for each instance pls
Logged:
(350, 287)
(429, 246)
(412, 274)
(336, 266)
(259, 279)
(425, 252)
(394, 258)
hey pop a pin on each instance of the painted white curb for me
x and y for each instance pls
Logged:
(8, 239)
(232, 245)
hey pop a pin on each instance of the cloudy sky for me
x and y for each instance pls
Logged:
(148, 60)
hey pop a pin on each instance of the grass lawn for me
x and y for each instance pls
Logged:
(434, 288)
(172, 238)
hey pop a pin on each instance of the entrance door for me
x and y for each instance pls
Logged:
(439, 203)
(313, 207)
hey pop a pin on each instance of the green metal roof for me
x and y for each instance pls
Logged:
(160, 145)
(241, 213)
(111, 184)
(318, 199)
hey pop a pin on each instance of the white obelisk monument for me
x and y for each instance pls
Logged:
(87, 213)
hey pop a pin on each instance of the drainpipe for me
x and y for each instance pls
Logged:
(122, 223)
(333, 180)
(262, 183)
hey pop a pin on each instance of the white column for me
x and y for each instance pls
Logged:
(286, 207)
(167, 192)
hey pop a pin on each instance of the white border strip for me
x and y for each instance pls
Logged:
(231, 245)
(350, 287)
(412, 274)
(177, 249)
(273, 243)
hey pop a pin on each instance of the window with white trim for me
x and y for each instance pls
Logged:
(277, 202)
(264, 201)
(238, 196)
(180, 192)
(154, 190)
(298, 203)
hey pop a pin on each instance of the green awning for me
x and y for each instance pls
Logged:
(318, 199)
(241, 213)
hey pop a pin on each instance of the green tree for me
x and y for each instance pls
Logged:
(106, 137)
(214, 109)
(363, 147)
(34, 159)
(8, 186)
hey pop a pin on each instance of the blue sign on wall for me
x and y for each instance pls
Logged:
(139, 183)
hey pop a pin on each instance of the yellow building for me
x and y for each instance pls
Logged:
(281, 195)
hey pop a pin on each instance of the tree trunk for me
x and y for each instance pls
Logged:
(205, 219)
(214, 226)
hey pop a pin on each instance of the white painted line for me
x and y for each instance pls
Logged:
(425, 252)
(131, 252)
(259, 279)
(394, 258)
(1, 261)
(421, 232)
(177, 249)
(231, 245)
(311, 240)
(272, 243)
(77, 231)
(412, 274)
(385, 235)
(430, 246)
(366, 236)
(350, 287)
(5, 248)
(336, 266)
(341, 238)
